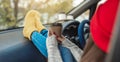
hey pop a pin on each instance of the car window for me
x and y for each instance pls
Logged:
(83, 16)
(12, 12)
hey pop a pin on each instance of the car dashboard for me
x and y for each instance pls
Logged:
(15, 48)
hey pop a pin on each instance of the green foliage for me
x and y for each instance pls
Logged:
(11, 13)
(6, 13)
(64, 6)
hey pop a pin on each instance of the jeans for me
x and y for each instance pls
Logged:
(39, 40)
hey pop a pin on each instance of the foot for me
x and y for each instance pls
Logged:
(39, 25)
(29, 24)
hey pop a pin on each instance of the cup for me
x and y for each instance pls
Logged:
(57, 29)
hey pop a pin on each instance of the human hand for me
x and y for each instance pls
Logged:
(50, 33)
(51, 39)
(62, 38)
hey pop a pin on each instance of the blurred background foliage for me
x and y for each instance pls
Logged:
(12, 12)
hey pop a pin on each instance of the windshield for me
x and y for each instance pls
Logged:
(12, 12)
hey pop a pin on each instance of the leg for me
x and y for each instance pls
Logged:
(40, 42)
(44, 32)
(31, 24)
(66, 54)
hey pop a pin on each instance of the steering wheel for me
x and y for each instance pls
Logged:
(83, 32)
(70, 31)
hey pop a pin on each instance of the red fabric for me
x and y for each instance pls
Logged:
(102, 24)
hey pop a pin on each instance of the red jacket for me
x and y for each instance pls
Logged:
(102, 24)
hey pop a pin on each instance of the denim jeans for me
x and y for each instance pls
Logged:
(39, 40)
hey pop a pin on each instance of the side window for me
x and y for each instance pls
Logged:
(84, 16)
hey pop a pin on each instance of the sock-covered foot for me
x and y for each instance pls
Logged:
(29, 24)
(39, 25)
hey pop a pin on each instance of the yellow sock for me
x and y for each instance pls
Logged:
(38, 23)
(29, 24)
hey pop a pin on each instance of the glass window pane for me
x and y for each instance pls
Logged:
(12, 12)
(84, 16)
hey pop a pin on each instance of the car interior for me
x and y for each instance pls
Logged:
(15, 48)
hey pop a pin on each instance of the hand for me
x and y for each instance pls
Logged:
(51, 39)
(61, 38)
(51, 32)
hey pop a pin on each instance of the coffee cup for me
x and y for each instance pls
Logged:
(57, 29)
